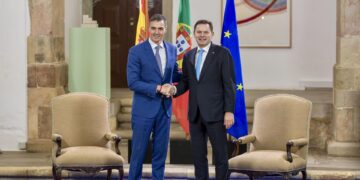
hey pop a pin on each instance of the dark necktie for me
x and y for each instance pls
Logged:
(158, 59)
(198, 63)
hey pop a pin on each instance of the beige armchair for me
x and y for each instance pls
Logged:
(279, 138)
(81, 135)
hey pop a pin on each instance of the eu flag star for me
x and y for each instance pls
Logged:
(227, 34)
(239, 87)
(230, 40)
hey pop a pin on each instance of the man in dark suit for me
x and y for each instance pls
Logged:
(151, 64)
(208, 74)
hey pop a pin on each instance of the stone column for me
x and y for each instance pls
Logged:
(346, 124)
(47, 70)
(168, 12)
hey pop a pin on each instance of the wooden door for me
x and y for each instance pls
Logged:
(121, 16)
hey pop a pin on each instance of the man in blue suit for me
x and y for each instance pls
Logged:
(151, 68)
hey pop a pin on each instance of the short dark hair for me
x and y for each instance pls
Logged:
(158, 17)
(204, 21)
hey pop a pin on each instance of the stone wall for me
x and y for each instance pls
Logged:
(346, 122)
(47, 70)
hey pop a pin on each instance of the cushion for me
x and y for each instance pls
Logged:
(88, 156)
(266, 160)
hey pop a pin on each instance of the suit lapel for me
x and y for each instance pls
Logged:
(208, 60)
(168, 54)
(192, 57)
(151, 55)
(192, 61)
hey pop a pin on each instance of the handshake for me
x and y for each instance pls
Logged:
(167, 90)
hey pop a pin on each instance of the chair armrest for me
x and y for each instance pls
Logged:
(299, 142)
(116, 139)
(294, 142)
(245, 139)
(56, 138)
(242, 140)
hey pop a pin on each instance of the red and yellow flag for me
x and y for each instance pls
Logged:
(183, 44)
(143, 22)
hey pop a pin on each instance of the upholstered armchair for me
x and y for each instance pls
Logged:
(279, 138)
(81, 135)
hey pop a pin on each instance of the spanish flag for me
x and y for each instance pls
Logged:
(143, 22)
(183, 44)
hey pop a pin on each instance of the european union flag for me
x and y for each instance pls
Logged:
(229, 39)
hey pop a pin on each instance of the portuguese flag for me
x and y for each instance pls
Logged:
(183, 44)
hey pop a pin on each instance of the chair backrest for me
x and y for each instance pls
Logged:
(81, 119)
(279, 118)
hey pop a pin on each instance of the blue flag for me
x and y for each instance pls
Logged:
(229, 39)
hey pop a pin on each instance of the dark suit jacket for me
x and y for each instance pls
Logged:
(214, 93)
(143, 75)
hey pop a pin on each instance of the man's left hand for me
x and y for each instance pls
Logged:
(228, 119)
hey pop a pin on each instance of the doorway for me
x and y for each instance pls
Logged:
(121, 17)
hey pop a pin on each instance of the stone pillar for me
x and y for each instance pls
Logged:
(47, 70)
(346, 124)
(168, 12)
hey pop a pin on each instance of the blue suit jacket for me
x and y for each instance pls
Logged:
(143, 75)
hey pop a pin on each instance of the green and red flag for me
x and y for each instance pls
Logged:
(183, 44)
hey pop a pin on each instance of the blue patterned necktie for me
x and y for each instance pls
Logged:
(158, 59)
(198, 63)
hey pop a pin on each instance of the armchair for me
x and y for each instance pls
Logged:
(279, 139)
(81, 135)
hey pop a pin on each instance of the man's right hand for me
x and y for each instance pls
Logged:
(168, 90)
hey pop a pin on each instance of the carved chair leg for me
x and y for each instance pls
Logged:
(304, 174)
(57, 173)
(108, 174)
(228, 173)
(121, 173)
(53, 171)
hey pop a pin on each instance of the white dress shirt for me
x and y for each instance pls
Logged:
(161, 52)
(204, 54)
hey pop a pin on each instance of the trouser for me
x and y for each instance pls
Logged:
(159, 126)
(200, 131)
